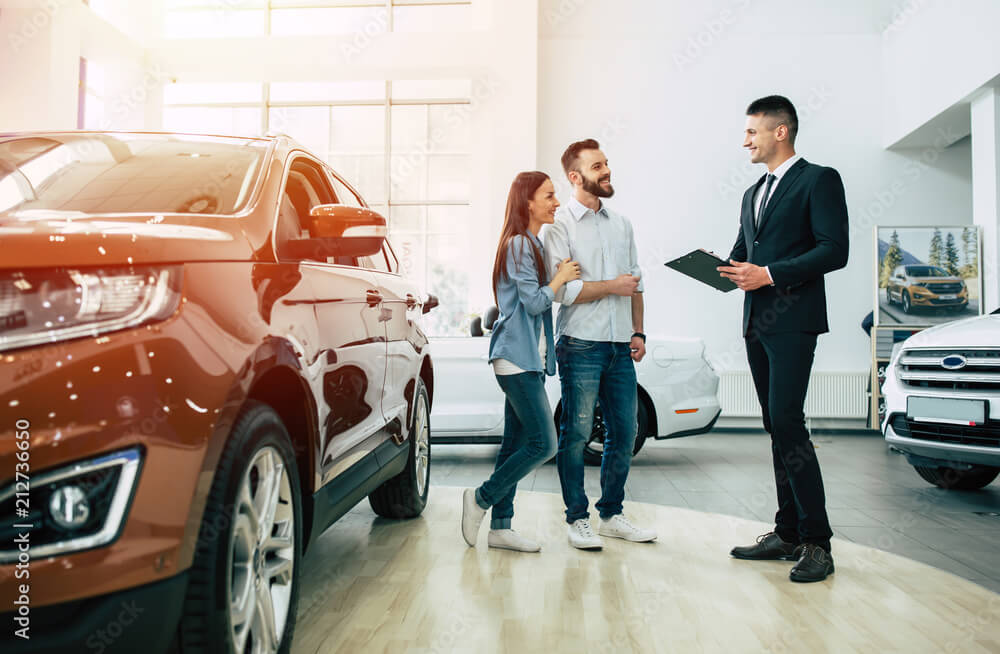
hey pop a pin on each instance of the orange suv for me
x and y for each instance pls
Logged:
(924, 285)
(207, 356)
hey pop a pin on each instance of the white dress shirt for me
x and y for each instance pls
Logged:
(778, 173)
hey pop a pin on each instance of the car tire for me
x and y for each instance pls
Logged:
(405, 495)
(230, 553)
(953, 479)
(888, 298)
(907, 304)
(594, 453)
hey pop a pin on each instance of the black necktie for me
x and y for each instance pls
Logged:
(767, 194)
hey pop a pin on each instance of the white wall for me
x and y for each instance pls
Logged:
(666, 86)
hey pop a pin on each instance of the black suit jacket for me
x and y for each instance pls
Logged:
(802, 235)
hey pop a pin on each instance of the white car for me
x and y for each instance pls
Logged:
(678, 392)
(942, 395)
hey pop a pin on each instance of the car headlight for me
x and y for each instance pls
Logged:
(46, 306)
(73, 508)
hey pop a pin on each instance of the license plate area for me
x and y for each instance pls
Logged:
(946, 410)
(948, 296)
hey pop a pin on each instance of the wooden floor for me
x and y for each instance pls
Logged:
(372, 585)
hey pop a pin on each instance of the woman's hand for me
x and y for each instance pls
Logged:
(567, 271)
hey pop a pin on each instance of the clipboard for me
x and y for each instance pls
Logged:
(701, 265)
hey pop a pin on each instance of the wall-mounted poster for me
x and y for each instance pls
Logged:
(926, 275)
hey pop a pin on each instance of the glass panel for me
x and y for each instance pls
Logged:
(242, 121)
(310, 126)
(449, 219)
(447, 261)
(212, 92)
(327, 91)
(410, 249)
(449, 89)
(366, 173)
(450, 128)
(408, 177)
(143, 174)
(443, 18)
(358, 130)
(405, 220)
(409, 128)
(214, 23)
(363, 21)
(449, 178)
(344, 194)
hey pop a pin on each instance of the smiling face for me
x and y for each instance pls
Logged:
(542, 206)
(766, 137)
(593, 174)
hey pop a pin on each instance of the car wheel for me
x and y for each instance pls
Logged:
(952, 479)
(907, 306)
(405, 495)
(888, 298)
(243, 586)
(593, 451)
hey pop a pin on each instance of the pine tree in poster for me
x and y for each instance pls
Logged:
(936, 255)
(950, 255)
(893, 257)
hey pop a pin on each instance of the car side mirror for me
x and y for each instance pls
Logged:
(340, 231)
(430, 303)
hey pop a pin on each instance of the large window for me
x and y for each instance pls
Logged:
(405, 145)
(236, 18)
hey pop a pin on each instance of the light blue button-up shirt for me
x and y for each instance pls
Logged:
(604, 245)
(525, 312)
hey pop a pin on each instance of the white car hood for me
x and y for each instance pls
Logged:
(983, 331)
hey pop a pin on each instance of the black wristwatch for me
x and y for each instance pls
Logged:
(640, 335)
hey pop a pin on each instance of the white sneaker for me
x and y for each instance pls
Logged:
(619, 527)
(472, 516)
(508, 539)
(581, 536)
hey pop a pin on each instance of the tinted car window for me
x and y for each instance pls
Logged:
(344, 194)
(925, 271)
(128, 173)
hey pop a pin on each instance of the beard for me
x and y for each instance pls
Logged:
(594, 188)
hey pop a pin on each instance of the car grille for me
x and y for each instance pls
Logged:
(925, 369)
(987, 435)
(945, 287)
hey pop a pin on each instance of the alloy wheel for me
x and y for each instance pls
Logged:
(261, 556)
(422, 436)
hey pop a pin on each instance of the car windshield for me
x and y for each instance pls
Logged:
(127, 173)
(926, 271)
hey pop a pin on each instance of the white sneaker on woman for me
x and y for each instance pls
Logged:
(619, 527)
(472, 516)
(508, 539)
(581, 536)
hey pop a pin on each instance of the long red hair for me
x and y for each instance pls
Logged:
(515, 223)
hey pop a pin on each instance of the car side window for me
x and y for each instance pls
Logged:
(378, 261)
(344, 194)
(306, 187)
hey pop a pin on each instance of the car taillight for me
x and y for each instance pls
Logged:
(47, 306)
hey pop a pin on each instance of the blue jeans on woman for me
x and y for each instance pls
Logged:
(590, 370)
(529, 440)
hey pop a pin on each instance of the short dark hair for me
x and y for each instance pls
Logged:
(779, 107)
(571, 156)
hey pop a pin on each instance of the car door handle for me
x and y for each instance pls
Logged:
(372, 297)
(411, 302)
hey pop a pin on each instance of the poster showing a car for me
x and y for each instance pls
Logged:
(926, 275)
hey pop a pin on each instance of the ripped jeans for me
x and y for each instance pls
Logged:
(589, 370)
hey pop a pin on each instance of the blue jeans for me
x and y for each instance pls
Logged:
(529, 440)
(590, 370)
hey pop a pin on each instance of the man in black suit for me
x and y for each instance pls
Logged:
(793, 230)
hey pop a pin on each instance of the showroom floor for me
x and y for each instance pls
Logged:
(874, 497)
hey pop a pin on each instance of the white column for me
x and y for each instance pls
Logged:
(986, 188)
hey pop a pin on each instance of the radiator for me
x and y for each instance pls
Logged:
(831, 395)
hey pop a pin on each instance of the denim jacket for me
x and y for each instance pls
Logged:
(525, 310)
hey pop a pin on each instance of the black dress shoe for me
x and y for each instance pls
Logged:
(815, 564)
(769, 547)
